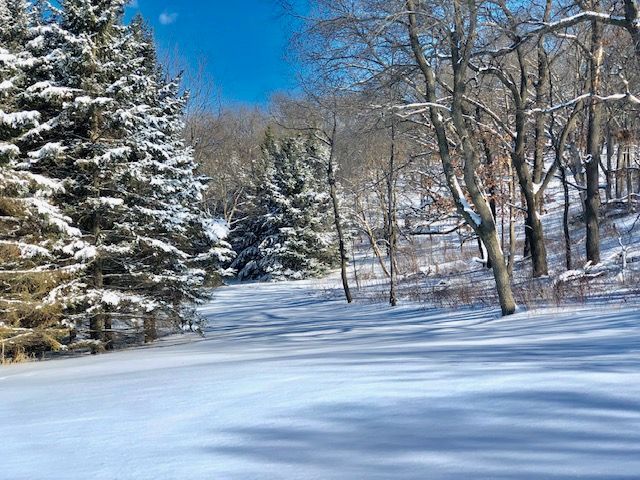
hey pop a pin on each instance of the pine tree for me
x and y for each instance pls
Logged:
(99, 194)
(286, 233)
(176, 246)
(132, 187)
(36, 267)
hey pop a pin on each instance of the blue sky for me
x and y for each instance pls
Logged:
(243, 43)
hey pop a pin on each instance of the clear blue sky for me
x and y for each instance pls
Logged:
(243, 43)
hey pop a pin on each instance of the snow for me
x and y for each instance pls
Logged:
(111, 298)
(9, 149)
(48, 150)
(290, 384)
(18, 119)
(87, 253)
(6, 85)
(215, 229)
(475, 218)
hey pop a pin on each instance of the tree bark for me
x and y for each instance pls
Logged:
(632, 17)
(98, 320)
(392, 225)
(594, 145)
(609, 168)
(333, 192)
(533, 224)
(565, 218)
(482, 222)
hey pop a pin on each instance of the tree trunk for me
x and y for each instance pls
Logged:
(500, 271)
(512, 222)
(533, 225)
(609, 169)
(619, 172)
(392, 225)
(594, 143)
(333, 192)
(565, 218)
(98, 320)
(150, 330)
(632, 16)
(482, 222)
(629, 175)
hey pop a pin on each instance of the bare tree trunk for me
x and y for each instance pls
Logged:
(353, 258)
(368, 231)
(594, 145)
(482, 222)
(333, 192)
(629, 175)
(632, 16)
(533, 224)
(565, 218)
(619, 172)
(393, 237)
(609, 168)
(542, 93)
(512, 221)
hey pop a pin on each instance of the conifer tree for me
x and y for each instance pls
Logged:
(134, 192)
(99, 193)
(36, 268)
(285, 234)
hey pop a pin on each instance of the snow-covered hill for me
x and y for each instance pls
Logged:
(290, 385)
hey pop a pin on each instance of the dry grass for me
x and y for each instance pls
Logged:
(20, 345)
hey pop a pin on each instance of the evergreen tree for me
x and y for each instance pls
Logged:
(285, 233)
(99, 194)
(133, 190)
(37, 269)
(174, 246)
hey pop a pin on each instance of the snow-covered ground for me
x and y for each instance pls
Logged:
(289, 384)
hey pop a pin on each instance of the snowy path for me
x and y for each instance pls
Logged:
(290, 386)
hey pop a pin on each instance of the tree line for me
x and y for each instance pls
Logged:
(465, 111)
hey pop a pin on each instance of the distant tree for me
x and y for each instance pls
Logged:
(285, 234)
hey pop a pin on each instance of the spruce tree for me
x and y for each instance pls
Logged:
(133, 190)
(286, 233)
(99, 193)
(37, 269)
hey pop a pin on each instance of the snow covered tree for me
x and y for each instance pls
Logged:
(37, 270)
(105, 132)
(130, 182)
(176, 248)
(285, 234)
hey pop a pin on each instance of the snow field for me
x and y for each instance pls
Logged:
(289, 384)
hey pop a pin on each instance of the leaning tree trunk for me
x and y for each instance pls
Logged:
(482, 222)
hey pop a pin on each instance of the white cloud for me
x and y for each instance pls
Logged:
(167, 18)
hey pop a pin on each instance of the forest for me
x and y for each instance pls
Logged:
(450, 153)
(320, 239)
